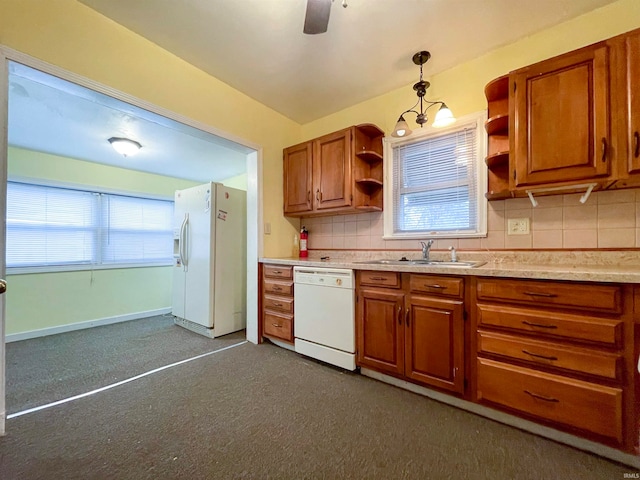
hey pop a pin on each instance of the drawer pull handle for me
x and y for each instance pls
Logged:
(378, 278)
(399, 314)
(277, 304)
(604, 149)
(541, 294)
(277, 289)
(435, 285)
(277, 325)
(636, 140)
(539, 325)
(277, 272)
(545, 357)
(541, 397)
(406, 317)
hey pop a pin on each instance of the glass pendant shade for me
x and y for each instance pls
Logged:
(402, 128)
(444, 117)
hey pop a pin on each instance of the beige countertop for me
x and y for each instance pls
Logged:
(609, 267)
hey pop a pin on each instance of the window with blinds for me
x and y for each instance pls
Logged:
(438, 184)
(51, 226)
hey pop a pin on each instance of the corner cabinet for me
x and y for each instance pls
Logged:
(337, 173)
(559, 119)
(412, 326)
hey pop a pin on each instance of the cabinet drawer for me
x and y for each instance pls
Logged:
(450, 287)
(380, 279)
(280, 304)
(603, 298)
(278, 288)
(586, 406)
(277, 271)
(280, 326)
(552, 324)
(549, 354)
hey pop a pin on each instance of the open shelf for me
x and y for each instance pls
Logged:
(501, 195)
(497, 125)
(497, 159)
(497, 89)
(369, 208)
(369, 182)
(369, 156)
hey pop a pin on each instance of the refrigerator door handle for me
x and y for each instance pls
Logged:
(183, 241)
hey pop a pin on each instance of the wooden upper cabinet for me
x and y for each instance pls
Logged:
(332, 170)
(560, 119)
(632, 91)
(297, 178)
(337, 173)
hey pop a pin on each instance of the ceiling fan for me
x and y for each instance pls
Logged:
(317, 17)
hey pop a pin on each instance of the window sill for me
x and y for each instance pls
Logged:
(80, 268)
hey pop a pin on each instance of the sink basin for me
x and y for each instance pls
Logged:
(430, 263)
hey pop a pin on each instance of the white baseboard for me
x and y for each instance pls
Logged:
(14, 337)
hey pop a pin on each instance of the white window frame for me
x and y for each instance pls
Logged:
(85, 266)
(474, 120)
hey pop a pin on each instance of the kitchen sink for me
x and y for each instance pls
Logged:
(430, 263)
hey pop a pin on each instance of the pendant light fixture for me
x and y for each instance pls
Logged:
(124, 146)
(443, 117)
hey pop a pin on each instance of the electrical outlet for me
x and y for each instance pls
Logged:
(267, 228)
(518, 226)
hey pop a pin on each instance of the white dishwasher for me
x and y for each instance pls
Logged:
(324, 315)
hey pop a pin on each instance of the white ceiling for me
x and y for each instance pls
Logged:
(51, 115)
(257, 46)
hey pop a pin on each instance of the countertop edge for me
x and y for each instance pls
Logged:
(582, 273)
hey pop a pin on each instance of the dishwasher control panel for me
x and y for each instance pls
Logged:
(329, 277)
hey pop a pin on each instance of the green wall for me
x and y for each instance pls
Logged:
(42, 300)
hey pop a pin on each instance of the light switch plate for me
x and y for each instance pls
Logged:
(267, 228)
(518, 226)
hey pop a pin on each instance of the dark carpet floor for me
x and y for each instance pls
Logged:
(261, 412)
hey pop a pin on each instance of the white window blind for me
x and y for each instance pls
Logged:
(51, 226)
(136, 230)
(436, 184)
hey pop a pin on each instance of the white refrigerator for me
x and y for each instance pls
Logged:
(209, 249)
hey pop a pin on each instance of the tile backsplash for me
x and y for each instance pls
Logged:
(609, 219)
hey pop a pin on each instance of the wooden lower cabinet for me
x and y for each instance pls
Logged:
(417, 337)
(277, 302)
(557, 352)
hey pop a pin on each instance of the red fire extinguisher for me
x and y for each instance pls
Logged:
(304, 236)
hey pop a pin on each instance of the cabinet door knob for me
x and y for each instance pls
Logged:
(604, 149)
(636, 148)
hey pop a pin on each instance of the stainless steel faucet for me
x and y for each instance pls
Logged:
(426, 248)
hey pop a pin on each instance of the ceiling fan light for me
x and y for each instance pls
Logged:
(401, 129)
(124, 146)
(444, 117)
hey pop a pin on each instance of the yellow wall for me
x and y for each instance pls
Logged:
(239, 182)
(42, 300)
(74, 37)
